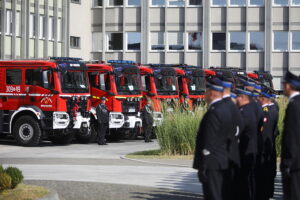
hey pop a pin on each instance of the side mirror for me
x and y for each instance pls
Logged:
(151, 94)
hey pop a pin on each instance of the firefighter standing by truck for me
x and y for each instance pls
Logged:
(147, 117)
(103, 119)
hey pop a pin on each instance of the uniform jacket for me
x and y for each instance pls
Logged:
(266, 137)
(290, 156)
(147, 117)
(248, 137)
(211, 143)
(238, 125)
(102, 113)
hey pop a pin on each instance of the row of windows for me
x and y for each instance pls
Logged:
(181, 3)
(32, 26)
(238, 41)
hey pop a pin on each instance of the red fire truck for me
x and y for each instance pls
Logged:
(263, 77)
(119, 82)
(160, 84)
(41, 98)
(192, 84)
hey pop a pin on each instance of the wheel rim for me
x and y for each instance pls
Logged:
(26, 131)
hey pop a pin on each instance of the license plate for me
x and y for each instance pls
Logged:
(131, 110)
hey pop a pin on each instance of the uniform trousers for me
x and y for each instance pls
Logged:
(291, 186)
(102, 127)
(214, 186)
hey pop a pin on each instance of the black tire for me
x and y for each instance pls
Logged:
(27, 131)
(62, 139)
(85, 138)
(114, 135)
(132, 134)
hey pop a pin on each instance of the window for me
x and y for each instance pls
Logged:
(237, 40)
(40, 78)
(175, 40)
(115, 41)
(257, 2)
(18, 23)
(238, 2)
(59, 30)
(13, 76)
(281, 2)
(74, 42)
(176, 2)
(51, 28)
(296, 2)
(97, 3)
(133, 41)
(280, 40)
(157, 41)
(158, 2)
(32, 25)
(8, 22)
(76, 1)
(42, 31)
(195, 41)
(219, 41)
(33, 77)
(195, 2)
(257, 41)
(115, 2)
(296, 40)
(134, 2)
(219, 2)
(97, 41)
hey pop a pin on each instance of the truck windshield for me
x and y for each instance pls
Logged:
(166, 85)
(128, 83)
(74, 82)
(196, 85)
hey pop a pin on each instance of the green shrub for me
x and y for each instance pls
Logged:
(177, 134)
(5, 181)
(1, 169)
(15, 174)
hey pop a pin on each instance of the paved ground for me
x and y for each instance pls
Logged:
(95, 172)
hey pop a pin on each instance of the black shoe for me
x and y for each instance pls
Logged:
(101, 143)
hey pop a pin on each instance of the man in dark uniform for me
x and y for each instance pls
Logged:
(290, 155)
(103, 121)
(248, 144)
(266, 162)
(233, 140)
(211, 155)
(147, 119)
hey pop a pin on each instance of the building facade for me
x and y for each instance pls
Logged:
(251, 34)
(33, 28)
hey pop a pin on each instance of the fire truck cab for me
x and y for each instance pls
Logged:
(160, 84)
(193, 84)
(44, 98)
(119, 81)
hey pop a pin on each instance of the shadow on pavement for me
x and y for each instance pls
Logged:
(165, 195)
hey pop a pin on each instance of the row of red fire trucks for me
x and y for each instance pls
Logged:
(56, 98)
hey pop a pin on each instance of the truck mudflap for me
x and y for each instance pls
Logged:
(158, 118)
(116, 120)
(132, 122)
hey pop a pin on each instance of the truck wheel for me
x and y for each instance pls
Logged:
(62, 139)
(27, 131)
(132, 134)
(89, 136)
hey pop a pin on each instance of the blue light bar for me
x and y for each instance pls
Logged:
(120, 62)
(65, 58)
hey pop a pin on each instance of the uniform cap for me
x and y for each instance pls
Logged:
(265, 92)
(233, 95)
(215, 84)
(103, 98)
(292, 79)
(247, 81)
(227, 78)
(243, 91)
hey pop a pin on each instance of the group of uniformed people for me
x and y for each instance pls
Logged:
(103, 121)
(235, 151)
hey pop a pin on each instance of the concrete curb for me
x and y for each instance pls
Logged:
(51, 196)
(151, 162)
